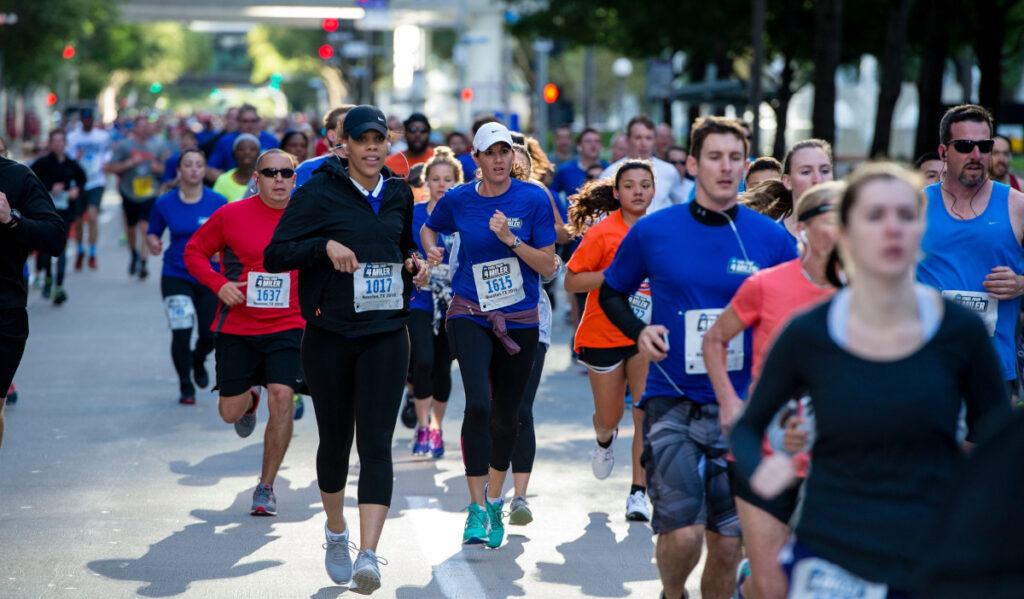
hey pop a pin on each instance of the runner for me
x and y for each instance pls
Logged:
(493, 319)
(188, 304)
(332, 133)
(612, 359)
(91, 147)
(65, 179)
(28, 221)
(234, 183)
(431, 357)
(885, 449)
(671, 189)
(417, 136)
(296, 143)
(764, 168)
(349, 232)
(259, 328)
(806, 164)
(766, 301)
(972, 244)
(931, 166)
(138, 160)
(686, 469)
(999, 167)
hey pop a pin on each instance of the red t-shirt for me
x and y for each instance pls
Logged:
(242, 230)
(401, 162)
(766, 301)
(594, 254)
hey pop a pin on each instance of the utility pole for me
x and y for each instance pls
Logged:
(543, 49)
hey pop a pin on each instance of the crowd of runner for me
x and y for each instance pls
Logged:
(809, 362)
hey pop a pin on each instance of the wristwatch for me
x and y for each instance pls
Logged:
(515, 243)
(15, 219)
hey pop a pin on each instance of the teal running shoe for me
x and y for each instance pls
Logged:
(478, 526)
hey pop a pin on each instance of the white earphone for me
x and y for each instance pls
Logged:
(803, 237)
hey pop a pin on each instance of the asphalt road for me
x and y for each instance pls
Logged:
(109, 488)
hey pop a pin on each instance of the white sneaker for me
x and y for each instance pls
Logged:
(636, 507)
(602, 460)
(366, 578)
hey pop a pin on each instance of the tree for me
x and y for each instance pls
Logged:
(891, 78)
(827, 32)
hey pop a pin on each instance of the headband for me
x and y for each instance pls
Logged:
(812, 212)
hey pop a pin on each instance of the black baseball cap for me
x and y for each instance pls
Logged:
(417, 117)
(365, 118)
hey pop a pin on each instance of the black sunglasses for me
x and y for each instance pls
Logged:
(966, 146)
(270, 173)
(417, 130)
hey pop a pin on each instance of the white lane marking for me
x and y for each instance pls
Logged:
(454, 575)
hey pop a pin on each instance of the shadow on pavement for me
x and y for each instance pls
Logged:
(598, 564)
(492, 572)
(207, 550)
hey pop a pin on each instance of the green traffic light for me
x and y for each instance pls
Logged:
(155, 88)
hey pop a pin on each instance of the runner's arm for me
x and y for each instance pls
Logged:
(984, 391)
(40, 227)
(713, 347)
(206, 242)
(615, 305)
(582, 282)
(296, 243)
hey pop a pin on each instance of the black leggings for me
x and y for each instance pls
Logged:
(431, 360)
(356, 383)
(205, 302)
(43, 260)
(489, 425)
(526, 441)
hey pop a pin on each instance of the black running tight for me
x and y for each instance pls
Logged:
(205, 303)
(431, 360)
(526, 440)
(356, 385)
(489, 425)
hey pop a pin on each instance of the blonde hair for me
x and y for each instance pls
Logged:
(443, 155)
(820, 195)
(259, 161)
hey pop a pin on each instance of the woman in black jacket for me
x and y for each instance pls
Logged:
(348, 231)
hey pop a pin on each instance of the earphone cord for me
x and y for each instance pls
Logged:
(732, 225)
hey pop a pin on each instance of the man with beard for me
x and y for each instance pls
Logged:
(999, 168)
(417, 138)
(972, 244)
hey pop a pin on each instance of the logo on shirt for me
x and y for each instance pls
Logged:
(377, 271)
(742, 267)
(514, 222)
(202, 220)
(269, 282)
(495, 270)
(972, 302)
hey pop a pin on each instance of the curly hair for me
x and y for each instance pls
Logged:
(598, 197)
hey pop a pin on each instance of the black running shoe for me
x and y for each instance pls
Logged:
(409, 411)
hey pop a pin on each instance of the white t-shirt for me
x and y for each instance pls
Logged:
(91, 150)
(668, 189)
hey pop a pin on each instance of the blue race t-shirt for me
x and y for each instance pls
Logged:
(304, 172)
(222, 157)
(170, 168)
(468, 166)
(463, 210)
(422, 299)
(568, 179)
(694, 270)
(169, 212)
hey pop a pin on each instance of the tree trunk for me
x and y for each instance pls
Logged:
(781, 107)
(828, 16)
(990, 34)
(697, 69)
(929, 81)
(892, 75)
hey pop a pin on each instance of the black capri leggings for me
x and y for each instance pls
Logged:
(205, 302)
(526, 441)
(356, 384)
(431, 360)
(489, 425)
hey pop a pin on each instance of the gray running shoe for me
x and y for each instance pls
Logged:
(263, 501)
(366, 578)
(519, 512)
(245, 425)
(337, 560)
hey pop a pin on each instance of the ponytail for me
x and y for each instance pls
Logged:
(591, 201)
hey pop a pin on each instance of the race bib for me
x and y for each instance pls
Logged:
(499, 283)
(377, 286)
(61, 200)
(815, 578)
(697, 324)
(142, 187)
(641, 304)
(268, 290)
(441, 272)
(181, 312)
(980, 303)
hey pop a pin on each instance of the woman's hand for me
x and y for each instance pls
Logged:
(155, 246)
(499, 226)
(232, 293)
(343, 258)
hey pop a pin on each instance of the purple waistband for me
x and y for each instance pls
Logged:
(461, 306)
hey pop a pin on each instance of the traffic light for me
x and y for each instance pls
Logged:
(326, 51)
(467, 94)
(69, 52)
(275, 80)
(550, 93)
(329, 25)
(51, 99)
(155, 87)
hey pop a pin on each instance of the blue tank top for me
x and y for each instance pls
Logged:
(958, 254)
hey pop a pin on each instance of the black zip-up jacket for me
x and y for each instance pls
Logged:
(40, 228)
(51, 171)
(329, 206)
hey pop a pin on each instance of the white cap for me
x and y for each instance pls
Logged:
(490, 134)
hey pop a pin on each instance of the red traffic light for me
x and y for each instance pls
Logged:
(69, 52)
(467, 94)
(550, 93)
(329, 25)
(326, 51)
(51, 99)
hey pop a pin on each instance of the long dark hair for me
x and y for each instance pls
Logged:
(598, 197)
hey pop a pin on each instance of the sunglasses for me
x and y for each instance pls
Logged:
(416, 130)
(270, 173)
(966, 146)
